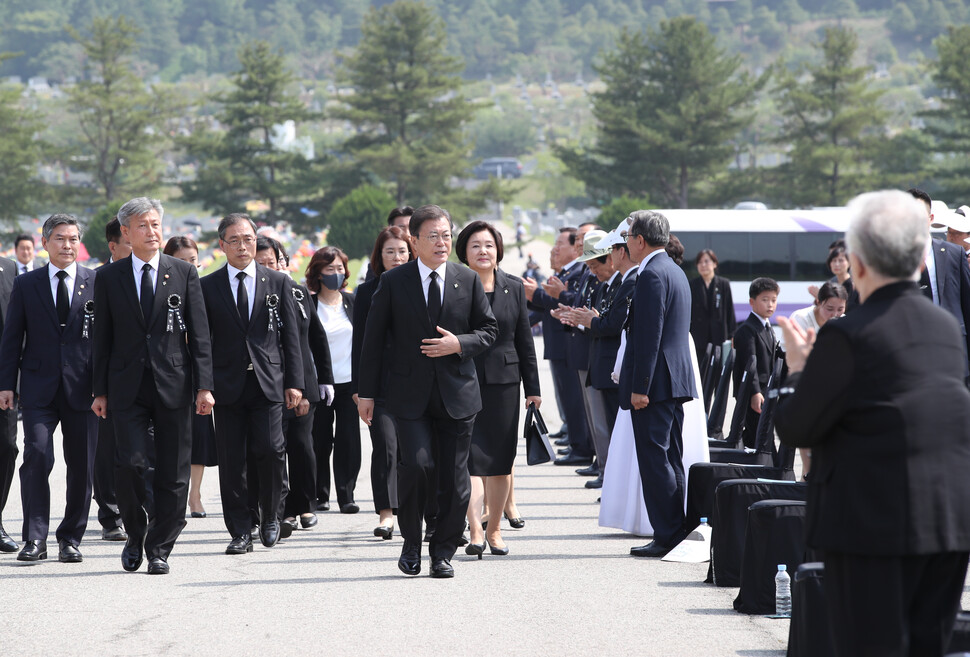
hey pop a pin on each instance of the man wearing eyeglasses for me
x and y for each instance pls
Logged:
(149, 367)
(257, 367)
(436, 318)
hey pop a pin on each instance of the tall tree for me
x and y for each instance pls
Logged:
(672, 104)
(832, 120)
(949, 125)
(119, 119)
(251, 158)
(407, 103)
(20, 153)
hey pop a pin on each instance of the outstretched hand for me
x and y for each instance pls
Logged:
(443, 346)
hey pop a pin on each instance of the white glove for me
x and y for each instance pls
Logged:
(615, 377)
(326, 393)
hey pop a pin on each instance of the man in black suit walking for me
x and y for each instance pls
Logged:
(878, 396)
(258, 365)
(47, 341)
(151, 353)
(657, 378)
(436, 318)
(8, 418)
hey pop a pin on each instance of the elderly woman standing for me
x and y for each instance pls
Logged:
(879, 396)
(510, 359)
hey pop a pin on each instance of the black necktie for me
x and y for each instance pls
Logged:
(63, 299)
(924, 283)
(147, 293)
(23, 269)
(242, 298)
(434, 299)
(770, 335)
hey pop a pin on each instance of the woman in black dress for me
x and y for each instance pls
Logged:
(203, 433)
(510, 359)
(391, 250)
(712, 319)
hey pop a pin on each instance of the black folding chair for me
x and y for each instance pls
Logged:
(715, 417)
(704, 364)
(765, 452)
(741, 400)
(711, 375)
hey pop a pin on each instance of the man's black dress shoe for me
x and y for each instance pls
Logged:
(286, 529)
(269, 533)
(33, 551)
(651, 549)
(349, 507)
(441, 569)
(595, 483)
(558, 434)
(589, 471)
(564, 451)
(410, 561)
(323, 506)
(240, 545)
(67, 553)
(113, 534)
(574, 459)
(561, 442)
(308, 521)
(7, 544)
(131, 556)
(157, 566)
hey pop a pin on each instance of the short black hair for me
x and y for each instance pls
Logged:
(23, 237)
(426, 213)
(601, 259)
(831, 291)
(461, 244)
(401, 211)
(920, 195)
(112, 231)
(762, 284)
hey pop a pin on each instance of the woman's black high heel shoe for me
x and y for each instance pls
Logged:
(475, 549)
(384, 532)
(515, 523)
(498, 551)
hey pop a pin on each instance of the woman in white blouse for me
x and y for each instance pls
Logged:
(336, 428)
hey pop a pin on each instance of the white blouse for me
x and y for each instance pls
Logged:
(340, 334)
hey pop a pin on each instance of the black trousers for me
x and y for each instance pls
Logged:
(104, 476)
(383, 462)
(137, 447)
(79, 431)
(336, 430)
(250, 428)
(893, 606)
(8, 454)
(300, 494)
(572, 400)
(433, 462)
(658, 435)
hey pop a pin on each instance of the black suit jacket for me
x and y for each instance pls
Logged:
(605, 333)
(47, 357)
(362, 300)
(751, 339)
(8, 272)
(399, 314)
(657, 361)
(181, 362)
(883, 406)
(317, 366)
(274, 352)
(712, 319)
(554, 338)
(512, 356)
(953, 287)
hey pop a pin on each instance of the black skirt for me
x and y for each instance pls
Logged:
(203, 441)
(496, 431)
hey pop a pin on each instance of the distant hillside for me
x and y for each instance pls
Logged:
(495, 37)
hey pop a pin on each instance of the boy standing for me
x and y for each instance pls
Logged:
(755, 337)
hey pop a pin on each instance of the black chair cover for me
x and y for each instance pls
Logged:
(960, 639)
(707, 366)
(742, 399)
(775, 534)
(731, 501)
(765, 452)
(810, 632)
(715, 418)
(703, 478)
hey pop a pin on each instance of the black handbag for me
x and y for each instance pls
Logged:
(538, 449)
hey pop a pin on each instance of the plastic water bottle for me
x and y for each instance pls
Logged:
(704, 522)
(782, 592)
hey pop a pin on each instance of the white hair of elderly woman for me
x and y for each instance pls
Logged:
(889, 232)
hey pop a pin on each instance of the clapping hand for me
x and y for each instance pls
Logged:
(530, 287)
(554, 287)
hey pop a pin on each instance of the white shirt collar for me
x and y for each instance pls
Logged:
(648, 258)
(425, 270)
(250, 270)
(572, 263)
(71, 270)
(612, 278)
(137, 264)
(630, 272)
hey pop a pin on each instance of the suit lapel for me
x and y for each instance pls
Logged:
(501, 297)
(261, 290)
(81, 286)
(127, 273)
(43, 290)
(939, 259)
(161, 287)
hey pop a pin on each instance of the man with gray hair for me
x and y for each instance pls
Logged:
(46, 344)
(657, 378)
(887, 499)
(151, 353)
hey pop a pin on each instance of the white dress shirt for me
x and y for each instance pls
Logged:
(647, 258)
(250, 282)
(425, 272)
(71, 270)
(137, 264)
(931, 272)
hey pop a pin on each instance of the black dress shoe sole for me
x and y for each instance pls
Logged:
(240, 550)
(653, 552)
(31, 558)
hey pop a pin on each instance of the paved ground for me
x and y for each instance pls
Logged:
(567, 588)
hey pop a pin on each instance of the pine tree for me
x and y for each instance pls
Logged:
(831, 122)
(20, 153)
(950, 124)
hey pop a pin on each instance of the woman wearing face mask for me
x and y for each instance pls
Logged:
(391, 250)
(336, 428)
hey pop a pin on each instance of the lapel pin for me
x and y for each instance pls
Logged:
(263, 279)
(164, 282)
(506, 290)
(456, 286)
(166, 275)
(82, 284)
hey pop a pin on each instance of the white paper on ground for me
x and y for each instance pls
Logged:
(696, 548)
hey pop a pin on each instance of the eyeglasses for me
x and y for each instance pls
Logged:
(434, 237)
(625, 235)
(235, 241)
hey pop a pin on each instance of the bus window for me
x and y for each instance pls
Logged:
(811, 250)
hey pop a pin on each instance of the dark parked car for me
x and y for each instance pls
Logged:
(498, 167)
